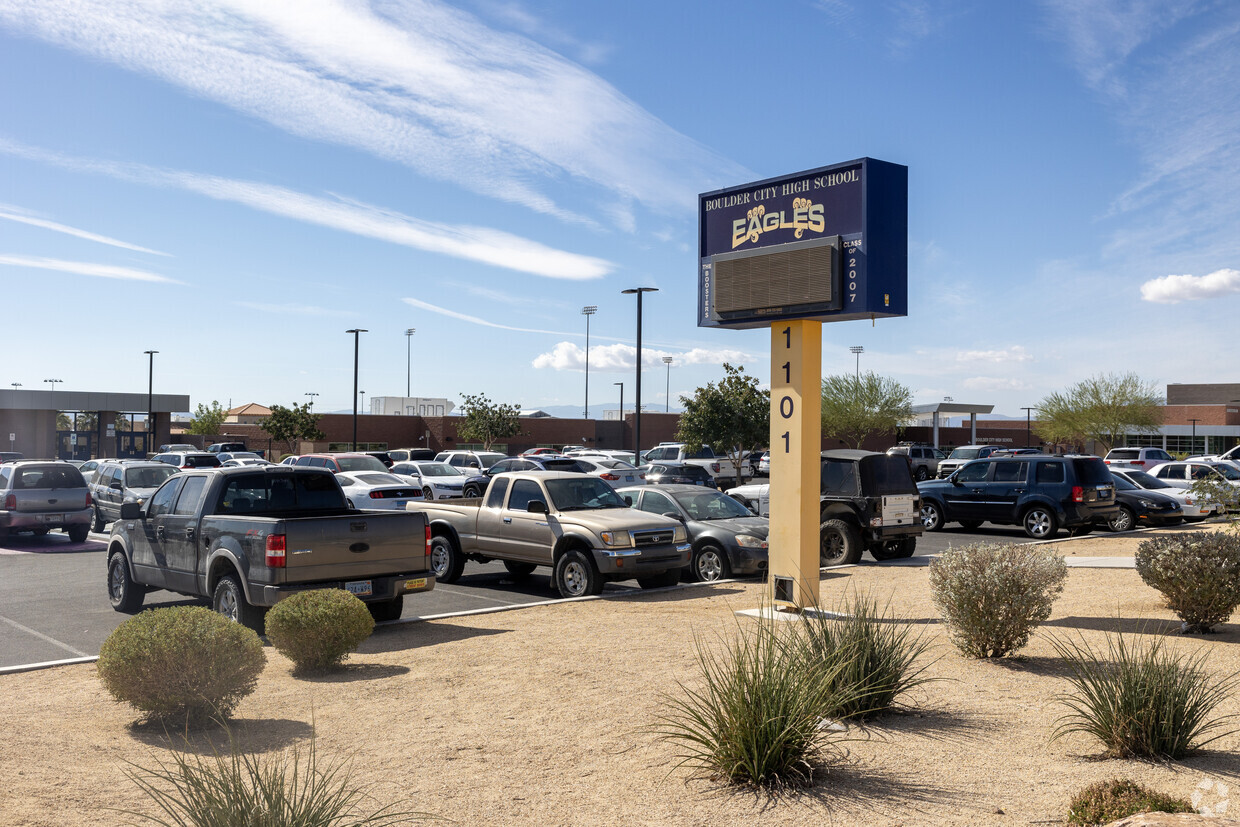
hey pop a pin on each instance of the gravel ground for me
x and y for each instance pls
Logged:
(537, 717)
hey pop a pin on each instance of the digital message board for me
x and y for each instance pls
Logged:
(828, 244)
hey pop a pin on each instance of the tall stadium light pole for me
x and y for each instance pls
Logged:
(16, 385)
(667, 393)
(311, 394)
(150, 393)
(357, 331)
(409, 359)
(857, 350)
(588, 311)
(621, 384)
(1028, 425)
(637, 405)
(1193, 444)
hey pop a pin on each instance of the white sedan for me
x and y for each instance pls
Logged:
(615, 472)
(373, 491)
(236, 461)
(438, 480)
(1194, 510)
(1184, 474)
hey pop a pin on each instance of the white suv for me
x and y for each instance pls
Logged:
(1143, 458)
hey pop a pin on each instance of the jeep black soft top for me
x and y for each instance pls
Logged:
(852, 473)
(869, 502)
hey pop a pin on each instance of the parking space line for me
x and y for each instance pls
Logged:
(458, 591)
(43, 637)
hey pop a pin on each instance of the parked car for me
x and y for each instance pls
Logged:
(186, 460)
(475, 484)
(225, 447)
(87, 469)
(478, 461)
(534, 452)
(439, 481)
(923, 459)
(764, 464)
(237, 462)
(121, 481)
(38, 495)
(225, 456)
(344, 461)
(606, 453)
(677, 473)
(1040, 493)
(959, 456)
(616, 473)
(728, 539)
(718, 466)
(373, 491)
(177, 447)
(291, 459)
(1138, 506)
(11, 456)
(1016, 452)
(1231, 455)
(383, 457)
(1193, 508)
(1143, 458)
(1184, 474)
(410, 454)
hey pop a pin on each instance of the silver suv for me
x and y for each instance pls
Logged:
(117, 482)
(923, 460)
(1142, 459)
(41, 495)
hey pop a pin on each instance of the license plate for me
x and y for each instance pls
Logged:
(698, 482)
(53, 518)
(629, 478)
(401, 503)
(361, 588)
(420, 583)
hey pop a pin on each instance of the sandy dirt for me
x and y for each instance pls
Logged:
(537, 717)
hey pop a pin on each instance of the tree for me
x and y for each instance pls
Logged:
(1103, 408)
(291, 424)
(733, 417)
(487, 422)
(855, 407)
(207, 420)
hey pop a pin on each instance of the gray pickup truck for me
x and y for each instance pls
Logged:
(247, 537)
(574, 523)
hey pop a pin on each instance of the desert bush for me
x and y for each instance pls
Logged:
(871, 654)
(1143, 700)
(182, 664)
(992, 597)
(1108, 801)
(227, 790)
(1197, 573)
(757, 718)
(318, 629)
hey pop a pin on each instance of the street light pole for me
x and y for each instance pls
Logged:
(1028, 436)
(637, 404)
(357, 331)
(150, 395)
(409, 360)
(857, 350)
(1193, 445)
(621, 384)
(588, 311)
(667, 392)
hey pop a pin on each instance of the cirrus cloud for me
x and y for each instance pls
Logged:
(1175, 289)
(568, 356)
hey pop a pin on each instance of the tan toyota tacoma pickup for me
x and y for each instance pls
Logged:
(572, 522)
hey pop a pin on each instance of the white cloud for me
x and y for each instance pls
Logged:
(417, 83)
(994, 383)
(482, 244)
(84, 268)
(294, 309)
(1176, 289)
(452, 314)
(73, 231)
(1013, 354)
(620, 356)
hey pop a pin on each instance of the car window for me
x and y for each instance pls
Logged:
(380, 479)
(1011, 471)
(114, 475)
(148, 477)
(1160, 455)
(48, 476)
(191, 496)
(1122, 484)
(523, 493)
(711, 505)
(1174, 471)
(1049, 472)
(657, 503)
(495, 494)
(583, 492)
(204, 461)
(840, 477)
(487, 460)
(363, 463)
(973, 472)
(161, 500)
(1124, 453)
(1091, 471)
(964, 453)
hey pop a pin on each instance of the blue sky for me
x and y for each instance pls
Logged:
(234, 184)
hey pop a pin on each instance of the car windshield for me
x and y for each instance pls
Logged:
(965, 453)
(202, 461)
(583, 493)
(261, 492)
(1145, 480)
(360, 464)
(615, 463)
(48, 476)
(710, 505)
(438, 469)
(1227, 471)
(1124, 453)
(488, 460)
(148, 477)
(379, 479)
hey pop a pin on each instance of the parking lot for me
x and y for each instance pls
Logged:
(55, 605)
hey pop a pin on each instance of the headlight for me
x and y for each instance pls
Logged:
(750, 541)
(1145, 503)
(679, 535)
(616, 539)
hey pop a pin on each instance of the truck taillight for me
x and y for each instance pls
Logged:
(428, 539)
(89, 501)
(275, 551)
(714, 466)
(10, 502)
(1078, 494)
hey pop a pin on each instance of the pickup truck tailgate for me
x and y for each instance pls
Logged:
(370, 543)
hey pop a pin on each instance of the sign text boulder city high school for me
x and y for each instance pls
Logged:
(804, 215)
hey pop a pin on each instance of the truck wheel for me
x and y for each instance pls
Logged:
(446, 560)
(387, 609)
(709, 564)
(663, 579)
(1123, 521)
(838, 543)
(229, 600)
(931, 516)
(1040, 523)
(923, 474)
(98, 524)
(518, 569)
(574, 575)
(124, 594)
(78, 533)
(970, 525)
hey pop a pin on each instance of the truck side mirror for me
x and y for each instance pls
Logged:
(628, 500)
(131, 511)
(115, 485)
(536, 507)
(677, 517)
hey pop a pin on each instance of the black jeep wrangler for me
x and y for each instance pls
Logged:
(869, 503)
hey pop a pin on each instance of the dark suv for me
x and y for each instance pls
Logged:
(1039, 493)
(869, 502)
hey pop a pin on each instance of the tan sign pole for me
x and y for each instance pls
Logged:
(796, 440)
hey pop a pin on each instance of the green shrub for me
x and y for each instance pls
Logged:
(185, 663)
(1109, 801)
(241, 789)
(1198, 574)
(757, 719)
(318, 629)
(992, 597)
(1142, 700)
(871, 655)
